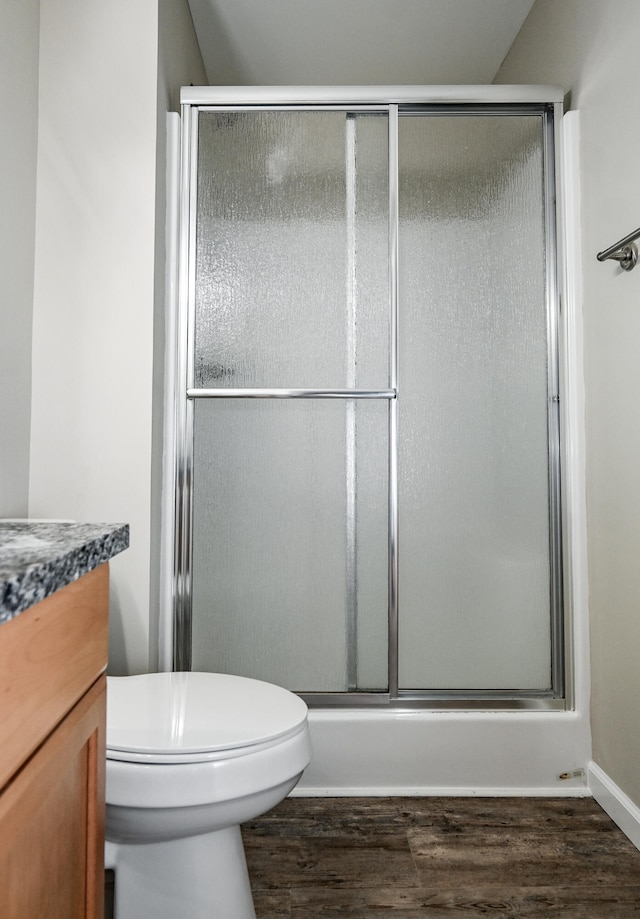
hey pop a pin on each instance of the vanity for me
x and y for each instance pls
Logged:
(54, 605)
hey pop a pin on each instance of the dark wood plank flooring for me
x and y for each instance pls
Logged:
(433, 858)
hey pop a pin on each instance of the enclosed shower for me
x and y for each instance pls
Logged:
(368, 504)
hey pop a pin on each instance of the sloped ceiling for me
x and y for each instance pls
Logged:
(333, 42)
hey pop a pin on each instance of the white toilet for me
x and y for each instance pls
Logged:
(191, 756)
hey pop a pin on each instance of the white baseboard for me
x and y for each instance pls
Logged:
(395, 791)
(615, 802)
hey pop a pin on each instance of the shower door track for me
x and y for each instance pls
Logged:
(498, 99)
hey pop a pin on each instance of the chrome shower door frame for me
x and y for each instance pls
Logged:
(391, 100)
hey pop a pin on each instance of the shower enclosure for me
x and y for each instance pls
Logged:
(367, 500)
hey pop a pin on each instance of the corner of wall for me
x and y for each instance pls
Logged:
(615, 802)
(179, 63)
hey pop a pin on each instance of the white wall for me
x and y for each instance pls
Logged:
(107, 74)
(94, 278)
(591, 49)
(19, 36)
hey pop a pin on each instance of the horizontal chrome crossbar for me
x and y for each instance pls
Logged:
(291, 393)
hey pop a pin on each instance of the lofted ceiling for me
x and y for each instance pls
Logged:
(333, 42)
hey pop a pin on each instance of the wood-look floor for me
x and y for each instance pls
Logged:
(441, 858)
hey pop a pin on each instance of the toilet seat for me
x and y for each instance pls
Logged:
(176, 759)
(185, 717)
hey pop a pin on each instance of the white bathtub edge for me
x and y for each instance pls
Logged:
(571, 791)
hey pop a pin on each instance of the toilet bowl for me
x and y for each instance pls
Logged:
(191, 756)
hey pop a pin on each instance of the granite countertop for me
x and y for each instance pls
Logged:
(39, 557)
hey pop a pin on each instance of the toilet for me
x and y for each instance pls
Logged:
(191, 756)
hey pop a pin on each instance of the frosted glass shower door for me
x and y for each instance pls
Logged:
(290, 333)
(474, 397)
(368, 489)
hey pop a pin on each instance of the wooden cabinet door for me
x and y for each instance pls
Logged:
(52, 820)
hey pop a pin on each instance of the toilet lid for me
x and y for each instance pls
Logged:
(196, 713)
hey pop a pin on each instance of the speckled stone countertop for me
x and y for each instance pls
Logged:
(39, 557)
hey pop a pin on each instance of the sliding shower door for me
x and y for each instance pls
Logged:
(290, 427)
(369, 501)
(475, 564)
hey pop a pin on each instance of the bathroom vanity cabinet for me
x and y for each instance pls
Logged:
(53, 657)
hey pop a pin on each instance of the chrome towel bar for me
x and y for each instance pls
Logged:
(624, 251)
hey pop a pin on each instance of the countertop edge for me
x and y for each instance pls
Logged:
(37, 580)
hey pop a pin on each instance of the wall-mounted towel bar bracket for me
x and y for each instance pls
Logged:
(624, 251)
